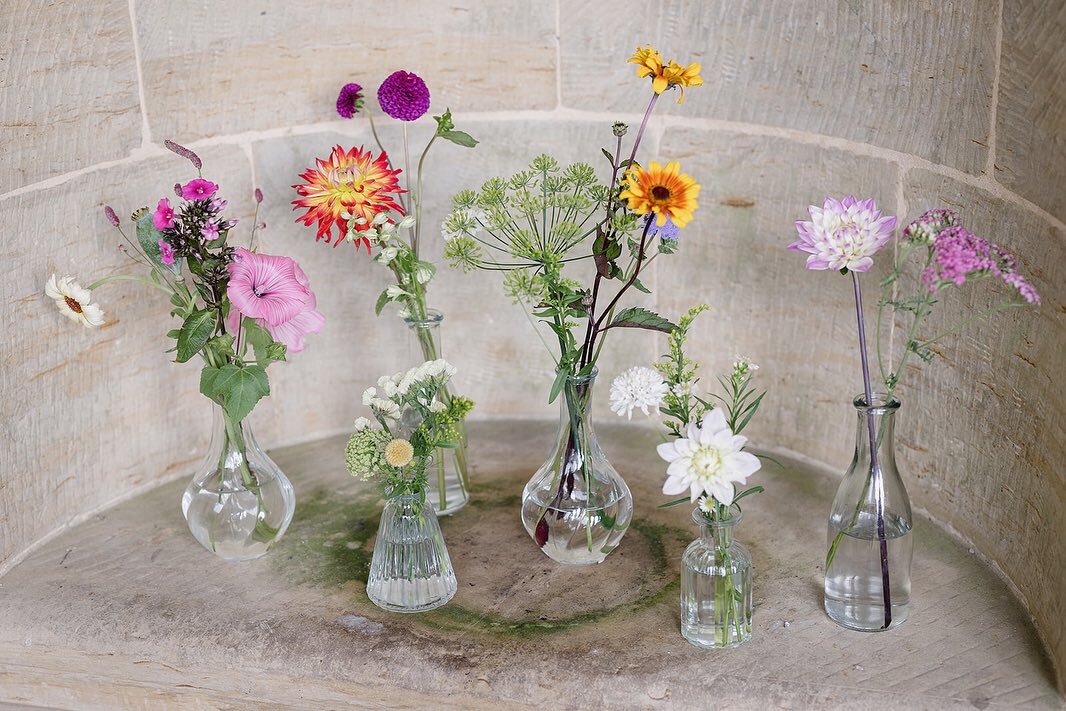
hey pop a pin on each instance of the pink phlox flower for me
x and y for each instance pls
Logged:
(198, 189)
(843, 234)
(209, 231)
(275, 292)
(163, 217)
(166, 253)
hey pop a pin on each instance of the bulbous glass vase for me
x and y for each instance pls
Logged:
(448, 477)
(868, 566)
(716, 585)
(410, 570)
(576, 507)
(239, 502)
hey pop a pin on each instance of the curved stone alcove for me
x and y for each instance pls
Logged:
(918, 104)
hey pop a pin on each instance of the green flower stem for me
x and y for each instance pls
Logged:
(130, 277)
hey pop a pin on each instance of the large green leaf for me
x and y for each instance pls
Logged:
(460, 138)
(637, 317)
(198, 327)
(237, 388)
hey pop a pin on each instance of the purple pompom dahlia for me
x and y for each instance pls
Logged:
(404, 96)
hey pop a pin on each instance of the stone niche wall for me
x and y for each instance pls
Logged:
(917, 103)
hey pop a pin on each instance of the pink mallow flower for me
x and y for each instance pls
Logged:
(275, 292)
(843, 234)
(198, 189)
(163, 217)
(166, 253)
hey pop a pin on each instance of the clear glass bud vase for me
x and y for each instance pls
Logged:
(868, 566)
(410, 570)
(716, 585)
(447, 479)
(576, 507)
(239, 502)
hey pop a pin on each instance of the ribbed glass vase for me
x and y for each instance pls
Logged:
(410, 570)
(716, 585)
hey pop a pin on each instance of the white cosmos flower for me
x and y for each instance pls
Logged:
(638, 387)
(72, 300)
(707, 460)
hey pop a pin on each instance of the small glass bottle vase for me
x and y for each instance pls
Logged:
(239, 502)
(868, 566)
(410, 570)
(576, 507)
(716, 585)
(447, 478)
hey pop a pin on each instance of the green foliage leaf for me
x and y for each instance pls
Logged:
(637, 317)
(198, 327)
(257, 337)
(236, 388)
(607, 153)
(557, 386)
(460, 138)
(444, 122)
(639, 286)
(276, 351)
(220, 348)
(382, 300)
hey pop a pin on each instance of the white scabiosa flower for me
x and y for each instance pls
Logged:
(72, 300)
(368, 396)
(361, 424)
(705, 504)
(707, 460)
(638, 387)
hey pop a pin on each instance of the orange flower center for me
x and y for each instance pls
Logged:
(73, 304)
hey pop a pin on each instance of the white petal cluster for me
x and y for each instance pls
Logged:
(638, 388)
(72, 300)
(707, 460)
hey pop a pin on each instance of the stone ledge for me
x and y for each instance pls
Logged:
(127, 610)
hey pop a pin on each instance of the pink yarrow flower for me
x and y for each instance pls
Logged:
(958, 255)
(163, 217)
(843, 234)
(198, 189)
(275, 292)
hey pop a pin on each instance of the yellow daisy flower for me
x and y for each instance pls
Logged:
(683, 77)
(650, 64)
(665, 191)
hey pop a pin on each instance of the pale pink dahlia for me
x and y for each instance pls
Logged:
(843, 234)
(275, 292)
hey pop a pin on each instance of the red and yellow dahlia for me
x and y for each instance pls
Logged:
(665, 191)
(351, 181)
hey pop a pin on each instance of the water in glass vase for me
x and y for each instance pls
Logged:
(854, 589)
(577, 536)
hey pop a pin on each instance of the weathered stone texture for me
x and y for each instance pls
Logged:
(68, 87)
(981, 433)
(87, 415)
(913, 76)
(798, 325)
(254, 66)
(1031, 114)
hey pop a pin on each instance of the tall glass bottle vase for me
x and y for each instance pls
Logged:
(448, 482)
(576, 507)
(868, 566)
(239, 502)
(410, 570)
(716, 585)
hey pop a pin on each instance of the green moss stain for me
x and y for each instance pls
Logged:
(329, 544)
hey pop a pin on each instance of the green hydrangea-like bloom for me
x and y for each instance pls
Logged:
(365, 453)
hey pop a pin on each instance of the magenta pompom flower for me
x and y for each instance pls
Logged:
(843, 234)
(404, 96)
(350, 100)
(275, 292)
(198, 189)
(163, 217)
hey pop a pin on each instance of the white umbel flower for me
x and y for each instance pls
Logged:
(72, 300)
(638, 387)
(707, 460)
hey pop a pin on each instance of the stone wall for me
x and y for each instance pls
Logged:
(917, 103)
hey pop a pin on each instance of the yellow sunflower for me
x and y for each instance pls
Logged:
(665, 191)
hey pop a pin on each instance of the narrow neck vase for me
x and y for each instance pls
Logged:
(239, 502)
(448, 481)
(868, 564)
(576, 507)
(716, 585)
(410, 570)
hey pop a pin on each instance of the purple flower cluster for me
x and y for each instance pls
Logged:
(404, 96)
(350, 100)
(958, 254)
(931, 223)
(198, 219)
